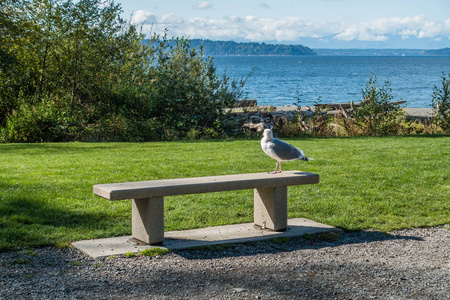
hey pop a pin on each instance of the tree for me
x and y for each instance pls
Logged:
(75, 70)
(64, 54)
(11, 30)
(186, 92)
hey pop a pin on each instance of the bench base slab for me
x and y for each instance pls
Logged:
(177, 240)
(270, 212)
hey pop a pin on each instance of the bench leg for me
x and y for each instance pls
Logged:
(147, 220)
(270, 208)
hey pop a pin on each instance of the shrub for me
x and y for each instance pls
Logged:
(315, 123)
(441, 103)
(376, 115)
(39, 122)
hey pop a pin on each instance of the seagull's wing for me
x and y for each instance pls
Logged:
(286, 151)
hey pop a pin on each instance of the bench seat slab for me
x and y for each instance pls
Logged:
(197, 185)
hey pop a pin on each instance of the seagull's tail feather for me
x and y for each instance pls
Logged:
(302, 156)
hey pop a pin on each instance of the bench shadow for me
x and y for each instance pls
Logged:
(280, 244)
(28, 222)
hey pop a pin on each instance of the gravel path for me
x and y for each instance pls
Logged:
(408, 264)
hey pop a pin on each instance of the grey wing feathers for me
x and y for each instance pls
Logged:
(286, 151)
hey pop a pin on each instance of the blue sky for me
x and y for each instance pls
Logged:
(423, 24)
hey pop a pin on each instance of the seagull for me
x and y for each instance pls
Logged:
(280, 150)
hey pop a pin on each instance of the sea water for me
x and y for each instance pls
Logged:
(281, 80)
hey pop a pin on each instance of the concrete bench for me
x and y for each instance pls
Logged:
(270, 198)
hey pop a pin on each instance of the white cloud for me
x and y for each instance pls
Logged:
(171, 19)
(377, 30)
(361, 32)
(142, 16)
(203, 5)
(292, 28)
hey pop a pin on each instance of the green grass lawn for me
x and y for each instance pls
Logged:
(383, 183)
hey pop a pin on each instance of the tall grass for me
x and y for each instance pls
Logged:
(383, 183)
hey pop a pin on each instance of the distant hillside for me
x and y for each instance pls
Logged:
(438, 52)
(234, 48)
(212, 48)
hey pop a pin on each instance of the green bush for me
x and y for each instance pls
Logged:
(441, 103)
(376, 116)
(39, 122)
